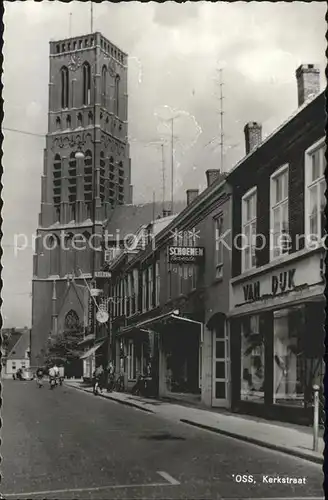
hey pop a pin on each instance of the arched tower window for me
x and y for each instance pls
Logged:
(54, 249)
(79, 120)
(57, 174)
(88, 176)
(117, 95)
(72, 321)
(68, 121)
(71, 255)
(104, 86)
(90, 118)
(72, 182)
(102, 177)
(58, 123)
(88, 254)
(86, 84)
(64, 87)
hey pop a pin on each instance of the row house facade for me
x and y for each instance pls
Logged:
(277, 286)
(169, 304)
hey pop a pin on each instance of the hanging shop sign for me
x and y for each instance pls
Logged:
(91, 314)
(102, 274)
(298, 275)
(186, 255)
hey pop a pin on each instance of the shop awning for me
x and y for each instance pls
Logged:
(87, 339)
(159, 323)
(91, 351)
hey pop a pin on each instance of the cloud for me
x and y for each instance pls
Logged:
(175, 51)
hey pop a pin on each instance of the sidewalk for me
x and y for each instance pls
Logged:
(287, 439)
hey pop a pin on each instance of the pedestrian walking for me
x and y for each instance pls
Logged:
(39, 377)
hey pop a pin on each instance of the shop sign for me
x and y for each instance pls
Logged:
(102, 274)
(91, 314)
(280, 283)
(300, 274)
(186, 255)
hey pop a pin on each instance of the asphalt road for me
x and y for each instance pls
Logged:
(67, 444)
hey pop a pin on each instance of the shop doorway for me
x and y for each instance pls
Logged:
(221, 365)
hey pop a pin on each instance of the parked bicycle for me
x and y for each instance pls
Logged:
(118, 384)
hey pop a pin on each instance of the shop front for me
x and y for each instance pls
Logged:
(277, 335)
(174, 353)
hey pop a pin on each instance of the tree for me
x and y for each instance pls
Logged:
(64, 348)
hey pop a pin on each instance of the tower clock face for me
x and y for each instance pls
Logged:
(75, 62)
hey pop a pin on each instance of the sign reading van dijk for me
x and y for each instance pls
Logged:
(299, 274)
(186, 255)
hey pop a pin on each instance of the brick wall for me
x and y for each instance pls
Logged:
(287, 146)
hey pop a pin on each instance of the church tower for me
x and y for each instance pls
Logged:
(87, 172)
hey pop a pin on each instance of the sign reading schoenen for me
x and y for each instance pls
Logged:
(186, 255)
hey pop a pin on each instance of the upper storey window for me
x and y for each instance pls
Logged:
(315, 186)
(249, 229)
(64, 87)
(279, 212)
(86, 84)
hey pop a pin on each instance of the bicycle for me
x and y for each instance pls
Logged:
(118, 384)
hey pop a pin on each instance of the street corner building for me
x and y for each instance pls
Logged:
(276, 291)
(217, 300)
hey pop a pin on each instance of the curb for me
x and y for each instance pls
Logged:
(106, 396)
(263, 444)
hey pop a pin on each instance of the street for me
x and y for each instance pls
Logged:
(67, 444)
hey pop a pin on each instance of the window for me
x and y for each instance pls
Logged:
(218, 222)
(54, 249)
(23, 364)
(150, 287)
(129, 294)
(104, 86)
(86, 84)
(135, 290)
(315, 191)
(279, 212)
(79, 120)
(117, 95)
(252, 360)
(64, 87)
(13, 365)
(58, 123)
(157, 283)
(68, 121)
(144, 290)
(249, 230)
(131, 361)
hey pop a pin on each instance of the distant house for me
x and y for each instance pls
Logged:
(19, 355)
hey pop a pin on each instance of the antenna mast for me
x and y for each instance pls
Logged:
(221, 120)
(172, 168)
(163, 177)
(91, 16)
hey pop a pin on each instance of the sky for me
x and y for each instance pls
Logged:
(175, 52)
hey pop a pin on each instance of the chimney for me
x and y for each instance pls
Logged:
(167, 213)
(212, 175)
(308, 82)
(253, 136)
(191, 195)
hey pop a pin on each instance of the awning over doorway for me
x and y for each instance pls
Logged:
(91, 351)
(159, 323)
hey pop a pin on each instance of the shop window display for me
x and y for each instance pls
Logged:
(296, 366)
(252, 360)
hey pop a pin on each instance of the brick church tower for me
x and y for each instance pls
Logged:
(86, 173)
